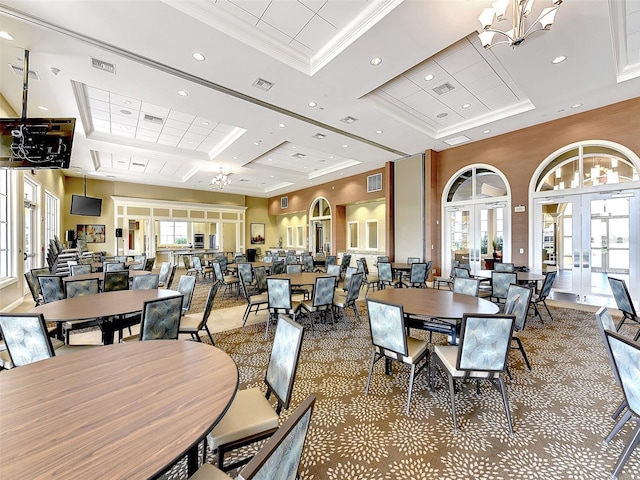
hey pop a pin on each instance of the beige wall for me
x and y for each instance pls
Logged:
(362, 212)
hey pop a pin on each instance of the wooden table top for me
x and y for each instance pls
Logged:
(520, 276)
(401, 266)
(123, 411)
(430, 302)
(107, 304)
(304, 278)
(100, 275)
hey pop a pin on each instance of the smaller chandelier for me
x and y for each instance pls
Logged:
(221, 180)
(520, 10)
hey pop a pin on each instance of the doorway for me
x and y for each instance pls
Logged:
(320, 225)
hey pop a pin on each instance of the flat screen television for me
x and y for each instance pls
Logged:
(36, 142)
(88, 206)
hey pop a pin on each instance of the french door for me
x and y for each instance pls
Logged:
(588, 238)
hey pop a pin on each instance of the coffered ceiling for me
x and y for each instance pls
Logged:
(284, 93)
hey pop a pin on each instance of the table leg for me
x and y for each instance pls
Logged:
(192, 460)
(387, 366)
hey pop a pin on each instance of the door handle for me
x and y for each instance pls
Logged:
(25, 255)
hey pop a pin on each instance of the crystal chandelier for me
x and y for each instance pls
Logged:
(520, 10)
(221, 180)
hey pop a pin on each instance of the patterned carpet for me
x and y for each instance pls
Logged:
(561, 409)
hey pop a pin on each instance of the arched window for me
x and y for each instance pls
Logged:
(320, 226)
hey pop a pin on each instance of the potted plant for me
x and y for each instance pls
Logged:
(495, 246)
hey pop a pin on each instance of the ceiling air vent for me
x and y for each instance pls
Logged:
(298, 155)
(374, 183)
(136, 164)
(457, 140)
(349, 120)
(153, 119)
(284, 202)
(33, 75)
(319, 136)
(263, 84)
(102, 65)
(444, 88)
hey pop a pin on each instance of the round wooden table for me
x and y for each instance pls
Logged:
(107, 304)
(100, 275)
(129, 410)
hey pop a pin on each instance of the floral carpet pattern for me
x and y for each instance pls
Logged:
(561, 409)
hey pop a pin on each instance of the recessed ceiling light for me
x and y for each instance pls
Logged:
(312, 104)
(576, 105)
(270, 176)
(182, 93)
(125, 112)
(205, 123)
(319, 136)
(281, 125)
(376, 61)
(559, 59)
(466, 105)
(429, 77)
(6, 36)
(486, 131)
(345, 145)
(442, 115)
(198, 56)
(257, 142)
(42, 107)
(379, 131)
(127, 102)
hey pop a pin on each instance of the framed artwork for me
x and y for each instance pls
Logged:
(257, 234)
(91, 233)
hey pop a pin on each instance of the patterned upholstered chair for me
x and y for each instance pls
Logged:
(345, 263)
(193, 323)
(34, 288)
(348, 273)
(260, 274)
(26, 338)
(224, 262)
(481, 355)
(385, 276)
(113, 266)
(503, 267)
(279, 300)
(163, 274)
(80, 269)
(466, 286)
(334, 271)
(417, 276)
(625, 304)
(390, 340)
(114, 281)
(382, 259)
(161, 319)
(541, 297)
(200, 269)
(322, 301)
(307, 261)
(145, 282)
(460, 272)
(605, 322)
(186, 285)
(294, 268)
(228, 281)
(500, 282)
(80, 288)
(251, 418)
(52, 288)
(281, 454)
(254, 302)
(331, 260)
(291, 259)
(172, 275)
(517, 303)
(139, 262)
(245, 269)
(120, 259)
(448, 281)
(278, 267)
(626, 357)
(341, 302)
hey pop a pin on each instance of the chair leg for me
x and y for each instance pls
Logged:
(503, 390)
(210, 336)
(619, 410)
(373, 361)
(524, 355)
(413, 371)
(452, 391)
(626, 452)
(548, 311)
(246, 315)
(616, 428)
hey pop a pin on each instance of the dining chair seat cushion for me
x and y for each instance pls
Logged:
(260, 299)
(209, 472)
(415, 349)
(250, 413)
(340, 299)
(448, 355)
(191, 322)
(231, 279)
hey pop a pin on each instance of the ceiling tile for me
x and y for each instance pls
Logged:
(288, 17)
(340, 13)
(316, 33)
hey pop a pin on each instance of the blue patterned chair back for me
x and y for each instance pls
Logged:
(186, 285)
(333, 270)
(279, 294)
(241, 259)
(149, 263)
(120, 259)
(113, 267)
(197, 264)
(187, 262)
(26, 337)
(500, 282)
(294, 268)
(33, 286)
(283, 361)
(460, 272)
(503, 267)
(307, 261)
(324, 291)
(217, 271)
(466, 286)
(382, 259)
(171, 275)
(360, 266)
(384, 272)
(291, 259)
(347, 277)
(622, 297)
(545, 290)
(411, 260)
(418, 272)
(261, 278)
(331, 260)
(354, 287)
(365, 265)
(429, 265)
(465, 265)
(163, 275)
(521, 297)
(52, 288)
(626, 357)
(80, 269)
(114, 281)
(36, 272)
(145, 282)
(80, 288)
(161, 319)
(140, 261)
(278, 267)
(267, 259)
(485, 341)
(345, 262)
(208, 306)
(605, 322)
(246, 270)
(386, 323)
(223, 263)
